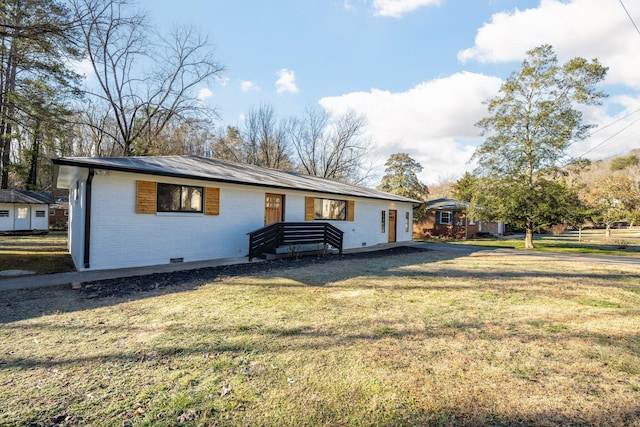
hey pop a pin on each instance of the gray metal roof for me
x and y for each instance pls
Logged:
(25, 197)
(208, 169)
(448, 204)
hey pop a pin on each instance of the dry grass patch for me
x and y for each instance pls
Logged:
(414, 339)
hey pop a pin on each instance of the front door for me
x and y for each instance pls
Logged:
(273, 208)
(22, 217)
(392, 225)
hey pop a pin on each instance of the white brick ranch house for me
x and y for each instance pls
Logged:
(141, 211)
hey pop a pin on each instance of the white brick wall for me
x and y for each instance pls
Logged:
(122, 238)
(77, 202)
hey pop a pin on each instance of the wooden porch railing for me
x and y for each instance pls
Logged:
(280, 234)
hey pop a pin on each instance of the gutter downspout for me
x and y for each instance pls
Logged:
(87, 220)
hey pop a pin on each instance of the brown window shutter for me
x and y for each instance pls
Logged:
(146, 197)
(212, 201)
(350, 210)
(309, 208)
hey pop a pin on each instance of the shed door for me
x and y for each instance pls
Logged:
(392, 224)
(22, 218)
(273, 208)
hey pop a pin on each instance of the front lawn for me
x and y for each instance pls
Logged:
(622, 242)
(41, 254)
(415, 339)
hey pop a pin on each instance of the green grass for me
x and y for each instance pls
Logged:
(42, 254)
(622, 242)
(420, 339)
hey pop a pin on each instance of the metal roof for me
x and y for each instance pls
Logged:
(447, 204)
(26, 197)
(208, 169)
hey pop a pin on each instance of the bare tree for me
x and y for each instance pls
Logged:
(333, 149)
(228, 145)
(185, 136)
(95, 128)
(444, 186)
(142, 103)
(265, 142)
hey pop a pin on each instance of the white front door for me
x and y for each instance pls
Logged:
(22, 218)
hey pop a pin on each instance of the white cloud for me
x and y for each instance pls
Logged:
(84, 68)
(577, 28)
(348, 6)
(286, 81)
(204, 93)
(248, 86)
(433, 121)
(397, 8)
(222, 81)
(574, 28)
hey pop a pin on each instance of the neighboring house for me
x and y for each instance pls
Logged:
(59, 215)
(137, 211)
(24, 211)
(447, 218)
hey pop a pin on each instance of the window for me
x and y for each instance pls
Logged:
(383, 222)
(39, 214)
(445, 217)
(52, 212)
(330, 209)
(23, 213)
(179, 198)
(4, 213)
(406, 222)
(152, 197)
(315, 208)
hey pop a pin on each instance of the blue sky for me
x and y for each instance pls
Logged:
(418, 69)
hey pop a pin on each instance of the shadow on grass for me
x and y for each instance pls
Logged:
(39, 262)
(264, 339)
(265, 342)
(220, 338)
(399, 262)
(42, 254)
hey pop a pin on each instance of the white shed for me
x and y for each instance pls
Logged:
(24, 211)
(140, 211)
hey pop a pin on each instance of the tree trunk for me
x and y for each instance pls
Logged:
(607, 232)
(528, 237)
(8, 112)
(5, 148)
(32, 180)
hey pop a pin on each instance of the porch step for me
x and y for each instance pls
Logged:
(298, 250)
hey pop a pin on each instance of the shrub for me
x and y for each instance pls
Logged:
(621, 244)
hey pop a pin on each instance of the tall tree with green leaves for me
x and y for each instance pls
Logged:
(401, 178)
(531, 123)
(465, 188)
(44, 121)
(37, 42)
(615, 198)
